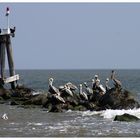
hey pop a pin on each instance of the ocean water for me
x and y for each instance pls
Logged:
(37, 122)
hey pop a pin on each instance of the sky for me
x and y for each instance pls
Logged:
(74, 35)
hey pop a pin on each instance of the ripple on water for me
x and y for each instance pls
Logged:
(14, 123)
(34, 123)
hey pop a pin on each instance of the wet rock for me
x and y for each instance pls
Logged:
(22, 91)
(116, 99)
(5, 94)
(126, 117)
(80, 108)
(40, 99)
(55, 108)
(13, 103)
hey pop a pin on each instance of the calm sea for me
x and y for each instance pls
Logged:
(37, 122)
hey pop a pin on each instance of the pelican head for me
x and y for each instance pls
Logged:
(112, 74)
(112, 71)
(85, 83)
(51, 79)
(67, 86)
(96, 76)
(107, 79)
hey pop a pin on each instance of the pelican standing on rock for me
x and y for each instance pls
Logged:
(59, 98)
(95, 82)
(117, 83)
(71, 86)
(53, 89)
(106, 84)
(68, 91)
(88, 90)
(83, 95)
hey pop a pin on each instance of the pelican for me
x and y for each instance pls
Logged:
(59, 98)
(53, 89)
(61, 88)
(117, 83)
(68, 91)
(95, 84)
(89, 91)
(96, 76)
(83, 95)
(102, 89)
(106, 84)
(112, 74)
(4, 116)
(72, 86)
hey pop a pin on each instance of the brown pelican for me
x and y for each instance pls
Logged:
(102, 89)
(53, 89)
(88, 90)
(67, 90)
(72, 86)
(96, 84)
(59, 98)
(106, 84)
(117, 83)
(83, 95)
(97, 87)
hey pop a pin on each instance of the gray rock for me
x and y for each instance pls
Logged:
(126, 117)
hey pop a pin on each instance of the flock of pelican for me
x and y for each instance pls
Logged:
(70, 89)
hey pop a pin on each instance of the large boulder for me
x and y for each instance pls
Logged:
(126, 117)
(118, 99)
